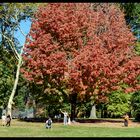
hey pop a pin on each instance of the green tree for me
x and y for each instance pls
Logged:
(135, 103)
(7, 72)
(137, 48)
(132, 16)
(11, 15)
(118, 104)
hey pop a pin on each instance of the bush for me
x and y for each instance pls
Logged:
(119, 104)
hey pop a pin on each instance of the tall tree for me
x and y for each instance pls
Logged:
(132, 17)
(82, 46)
(11, 15)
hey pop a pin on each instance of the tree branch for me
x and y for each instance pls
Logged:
(12, 46)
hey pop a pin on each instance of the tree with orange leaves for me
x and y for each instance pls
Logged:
(86, 47)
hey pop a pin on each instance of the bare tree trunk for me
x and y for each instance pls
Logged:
(10, 102)
(93, 112)
(73, 110)
(34, 108)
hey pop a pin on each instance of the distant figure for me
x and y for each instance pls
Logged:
(3, 119)
(126, 120)
(8, 120)
(49, 123)
(65, 117)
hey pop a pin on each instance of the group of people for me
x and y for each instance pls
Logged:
(6, 120)
(66, 120)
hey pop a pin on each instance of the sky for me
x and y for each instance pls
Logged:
(25, 26)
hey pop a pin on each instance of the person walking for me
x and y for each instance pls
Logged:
(65, 117)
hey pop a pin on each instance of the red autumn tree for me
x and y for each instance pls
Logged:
(87, 46)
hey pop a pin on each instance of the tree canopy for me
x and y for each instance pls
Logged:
(77, 49)
(83, 43)
(80, 49)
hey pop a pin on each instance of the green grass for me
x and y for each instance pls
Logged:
(28, 129)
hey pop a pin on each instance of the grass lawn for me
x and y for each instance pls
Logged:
(29, 129)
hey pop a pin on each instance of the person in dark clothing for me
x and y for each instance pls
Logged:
(49, 123)
(8, 120)
(126, 120)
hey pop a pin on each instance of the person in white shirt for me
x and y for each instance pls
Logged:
(65, 117)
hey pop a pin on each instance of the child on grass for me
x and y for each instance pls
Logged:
(49, 123)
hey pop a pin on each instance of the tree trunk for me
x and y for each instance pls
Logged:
(102, 111)
(73, 106)
(10, 102)
(19, 57)
(93, 112)
(105, 111)
(34, 108)
(73, 111)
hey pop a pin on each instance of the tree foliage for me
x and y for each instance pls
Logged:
(135, 103)
(132, 11)
(118, 104)
(132, 16)
(11, 15)
(137, 48)
(82, 46)
(7, 73)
